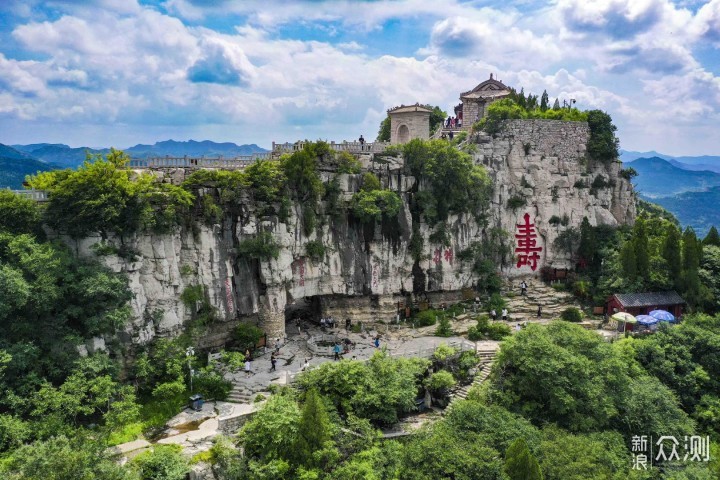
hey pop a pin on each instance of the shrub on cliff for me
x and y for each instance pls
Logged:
(371, 206)
(456, 184)
(102, 196)
(262, 247)
(603, 144)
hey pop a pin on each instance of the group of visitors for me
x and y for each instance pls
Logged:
(328, 322)
(453, 122)
(493, 314)
(449, 135)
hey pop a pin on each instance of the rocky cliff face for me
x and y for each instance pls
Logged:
(366, 271)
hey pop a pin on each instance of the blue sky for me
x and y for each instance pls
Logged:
(122, 72)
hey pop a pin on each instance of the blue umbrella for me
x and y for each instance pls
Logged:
(646, 320)
(663, 315)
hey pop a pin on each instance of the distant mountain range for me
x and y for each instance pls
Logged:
(690, 194)
(660, 178)
(704, 162)
(17, 161)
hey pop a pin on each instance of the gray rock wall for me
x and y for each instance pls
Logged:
(365, 273)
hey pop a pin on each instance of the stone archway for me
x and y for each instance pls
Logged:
(403, 134)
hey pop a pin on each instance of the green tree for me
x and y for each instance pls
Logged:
(18, 214)
(63, 458)
(691, 250)
(272, 432)
(671, 254)
(437, 117)
(603, 144)
(588, 244)
(163, 462)
(712, 237)
(314, 429)
(640, 243)
(583, 391)
(629, 261)
(544, 101)
(556, 105)
(384, 131)
(520, 464)
(441, 452)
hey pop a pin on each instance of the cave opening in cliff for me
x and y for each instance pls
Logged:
(305, 308)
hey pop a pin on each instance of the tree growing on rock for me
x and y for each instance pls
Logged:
(520, 464)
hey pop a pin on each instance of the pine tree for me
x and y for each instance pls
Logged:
(712, 238)
(690, 265)
(628, 261)
(520, 464)
(544, 100)
(588, 245)
(556, 105)
(521, 98)
(640, 242)
(671, 254)
(314, 429)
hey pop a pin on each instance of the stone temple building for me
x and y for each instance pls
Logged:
(476, 101)
(408, 122)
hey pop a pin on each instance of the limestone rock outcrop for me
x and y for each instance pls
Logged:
(365, 272)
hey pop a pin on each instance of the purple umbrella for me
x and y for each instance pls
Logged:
(663, 315)
(646, 320)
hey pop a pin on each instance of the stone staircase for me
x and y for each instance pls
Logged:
(240, 394)
(486, 357)
(524, 308)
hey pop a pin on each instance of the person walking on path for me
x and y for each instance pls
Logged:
(493, 314)
(306, 365)
(278, 344)
(523, 288)
(247, 367)
(539, 312)
(297, 324)
(504, 314)
(348, 324)
(336, 351)
(377, 341)
(273, 361)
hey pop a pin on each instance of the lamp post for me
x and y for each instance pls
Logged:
(189, 352)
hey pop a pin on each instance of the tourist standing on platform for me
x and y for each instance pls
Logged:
(273, 361)
(336, 351)
(362, 142)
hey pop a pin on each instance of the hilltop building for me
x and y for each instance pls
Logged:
(476, 101)
(408, 122)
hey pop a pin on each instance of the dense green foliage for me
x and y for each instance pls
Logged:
(510, 109)
(456, 184)
(378, 390)
(104, 197)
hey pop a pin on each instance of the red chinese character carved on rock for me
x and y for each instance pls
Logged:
(449, 255)
(526, 244)
(436, 256)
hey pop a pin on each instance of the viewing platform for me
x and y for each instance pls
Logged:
(199, 162)
(37, 195)
(350, 147)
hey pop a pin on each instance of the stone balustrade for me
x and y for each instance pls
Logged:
(199, 162)
(37, 195)
(350, 147)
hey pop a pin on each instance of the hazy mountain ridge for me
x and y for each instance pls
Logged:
(15, 165)
(16, 161)
(702, 162)
(658, 177)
